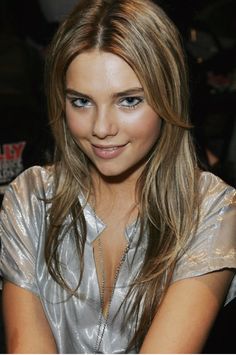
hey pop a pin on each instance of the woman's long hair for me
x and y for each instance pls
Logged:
(141, 34)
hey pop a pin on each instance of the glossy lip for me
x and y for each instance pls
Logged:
(108, 151)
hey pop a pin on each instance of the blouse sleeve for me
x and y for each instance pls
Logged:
(213, 246)
(20, 221)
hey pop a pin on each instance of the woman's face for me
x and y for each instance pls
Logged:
(108, 115)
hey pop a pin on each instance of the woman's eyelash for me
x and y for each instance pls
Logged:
(80, 102)
(131, 102)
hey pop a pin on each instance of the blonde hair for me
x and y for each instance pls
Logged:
(139, 32)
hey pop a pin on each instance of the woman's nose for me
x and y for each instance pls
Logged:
(104, 124)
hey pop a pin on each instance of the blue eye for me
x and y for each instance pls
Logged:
(80, 102)
(131, 101)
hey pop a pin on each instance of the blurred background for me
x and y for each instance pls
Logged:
(208, 28)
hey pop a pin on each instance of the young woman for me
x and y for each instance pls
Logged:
(123, 245)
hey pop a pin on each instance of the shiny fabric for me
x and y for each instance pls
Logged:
(74, 321)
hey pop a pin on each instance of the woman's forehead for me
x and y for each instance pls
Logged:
(98, 70)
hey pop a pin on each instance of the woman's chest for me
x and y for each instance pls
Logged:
(80, 316)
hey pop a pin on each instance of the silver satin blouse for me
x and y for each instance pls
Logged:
(75, 321)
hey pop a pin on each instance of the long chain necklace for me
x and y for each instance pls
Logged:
(105, 315)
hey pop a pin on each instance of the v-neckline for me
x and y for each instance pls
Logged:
(96, 225)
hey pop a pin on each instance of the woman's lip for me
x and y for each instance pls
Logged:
(108, 152)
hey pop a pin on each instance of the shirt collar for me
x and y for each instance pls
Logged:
(95, 226)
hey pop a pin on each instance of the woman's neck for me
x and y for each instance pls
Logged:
(114, 198)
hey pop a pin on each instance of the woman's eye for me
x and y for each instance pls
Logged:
(130, 102)
(81, 102)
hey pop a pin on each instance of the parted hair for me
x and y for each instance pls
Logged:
(140, 33)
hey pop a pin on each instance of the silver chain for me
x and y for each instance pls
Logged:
(102, 327)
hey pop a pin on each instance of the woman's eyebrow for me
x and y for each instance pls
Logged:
(128, 92)
(72, 92)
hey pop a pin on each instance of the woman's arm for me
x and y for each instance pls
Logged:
(26, 327)
(187, 313)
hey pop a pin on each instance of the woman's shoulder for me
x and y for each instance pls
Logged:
(36, 172)
(212, 245)
(215, 194)
(217, 211)
(23, 225)
(213, 182)
(36, 179)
